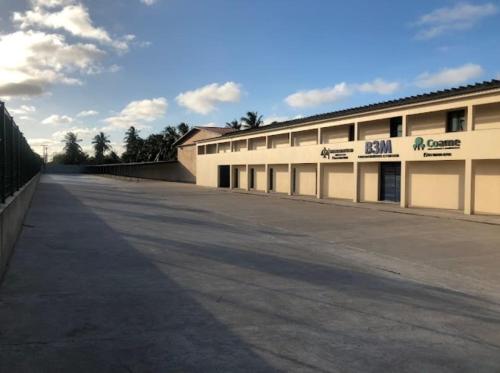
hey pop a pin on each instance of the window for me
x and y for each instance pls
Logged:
(351, 132)
(456, 121)
(252, 178)
(396, 127)
(271, 174)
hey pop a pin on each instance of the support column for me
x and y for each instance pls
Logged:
(319, 136)
(404, 178)
(290, 138)
(319, 193)
(470, 118)
(356, 182)
(231, 173)
(469, 187)
(248, 177)
(266, 168)
(404, 128)
(290, 179)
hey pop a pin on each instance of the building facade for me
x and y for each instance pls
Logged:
(438, 150)
(186, 147)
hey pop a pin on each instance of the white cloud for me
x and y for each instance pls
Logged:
(203, 100)
(379, 86)
(32, 60)
(315, 97)
(137, 113)
(23, 110)
(87, 113)
(149, 2)
(83, 133)
(449, 76)
(52, 3)
(56, 120)
(462, 16)
(498, 76)
(72, 18)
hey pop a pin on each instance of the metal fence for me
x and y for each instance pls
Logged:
(18, 162)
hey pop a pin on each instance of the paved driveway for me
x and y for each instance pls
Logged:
(117, 276)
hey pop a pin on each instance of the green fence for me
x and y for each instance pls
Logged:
(18, 162)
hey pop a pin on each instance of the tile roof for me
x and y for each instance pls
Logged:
(218, 130)
(422, 98)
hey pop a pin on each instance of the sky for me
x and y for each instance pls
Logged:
(91, 65)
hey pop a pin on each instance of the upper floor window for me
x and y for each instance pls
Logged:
(351, 132)
(455, 121)
(396, 125)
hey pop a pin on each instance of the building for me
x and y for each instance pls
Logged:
(186, 147)
(436, 150)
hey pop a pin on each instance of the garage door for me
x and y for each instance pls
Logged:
(279, 178)
(257, 178)
(487, 187)
(338, 181)
(436, 184)
(304, 177)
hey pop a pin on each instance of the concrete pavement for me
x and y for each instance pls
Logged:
(112, 276)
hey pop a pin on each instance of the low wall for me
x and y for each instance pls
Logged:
(166, 171)
(12, 215)
(63, 169)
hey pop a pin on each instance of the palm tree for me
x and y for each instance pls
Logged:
(182, 128)
(101, 145)
(73, 153)
(133, 145)
(252, 119)
(234, 124)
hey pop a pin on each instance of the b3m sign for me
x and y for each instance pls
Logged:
(378, 147)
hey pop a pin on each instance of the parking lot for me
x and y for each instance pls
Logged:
(117, 275)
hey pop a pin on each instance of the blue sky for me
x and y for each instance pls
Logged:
(88, 65)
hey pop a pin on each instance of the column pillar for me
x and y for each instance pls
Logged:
(231, 178)
(266, 168)
(469, 187)
(248, 177)
(404, 128)
(290, 139)
(404, 178)
(356, 131)
(319, 136)
(290, 179)
(470, 118)
(356, 182)
(319, 193)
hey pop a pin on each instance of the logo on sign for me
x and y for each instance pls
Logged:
(419, 144)
(378, 147)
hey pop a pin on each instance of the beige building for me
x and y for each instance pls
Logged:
(186, 145)
(438, 150)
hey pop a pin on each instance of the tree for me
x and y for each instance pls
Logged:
(112, 157)
(167, 148)
(252, 119)
(101, 145)
(182, 128)
(133, 145)
(235, 124)
(73, 153)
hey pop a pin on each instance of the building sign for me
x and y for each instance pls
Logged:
(378, 149)
(336, 153)
(432, 146)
